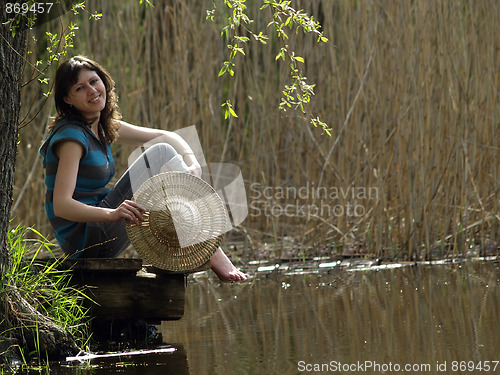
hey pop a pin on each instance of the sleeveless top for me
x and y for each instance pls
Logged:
(96, 169)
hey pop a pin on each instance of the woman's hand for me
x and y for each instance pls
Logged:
(128, 210)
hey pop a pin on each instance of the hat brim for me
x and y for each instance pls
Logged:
(184, 222)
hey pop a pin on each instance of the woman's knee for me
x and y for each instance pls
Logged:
(162, 157)
(161, 151)
(166, 158)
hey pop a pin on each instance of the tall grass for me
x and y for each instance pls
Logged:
(44, 286)
(409, 88)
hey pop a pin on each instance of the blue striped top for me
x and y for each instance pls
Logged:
(95, 171)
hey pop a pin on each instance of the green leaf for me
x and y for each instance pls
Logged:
(243, 39)
(148, 3)
(233, 113)
(95, 16)
(229, 109)
(281, 54)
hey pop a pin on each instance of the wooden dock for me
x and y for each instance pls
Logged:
(126, 290)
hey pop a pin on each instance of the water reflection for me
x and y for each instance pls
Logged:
(428, 317)
(289, 323)
(160, 362)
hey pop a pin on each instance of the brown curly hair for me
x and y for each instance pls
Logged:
(67, 76)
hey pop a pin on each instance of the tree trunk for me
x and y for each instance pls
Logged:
(12, 50)
(37, 332)
(17, 317)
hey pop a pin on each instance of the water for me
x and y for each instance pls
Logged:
(431, 318)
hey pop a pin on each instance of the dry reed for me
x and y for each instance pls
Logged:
(422, 132)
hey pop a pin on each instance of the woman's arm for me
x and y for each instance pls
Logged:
(133, 135)
(70, 153)
(129, 134)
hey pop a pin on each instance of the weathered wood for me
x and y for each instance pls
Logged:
(103, 264)
(123, 290)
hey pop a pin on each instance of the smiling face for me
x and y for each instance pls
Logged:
(88, 94)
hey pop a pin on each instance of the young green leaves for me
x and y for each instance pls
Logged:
(298, 93)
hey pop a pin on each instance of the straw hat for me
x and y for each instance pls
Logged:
(184, 222)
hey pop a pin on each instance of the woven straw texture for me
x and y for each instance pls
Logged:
(184, 222)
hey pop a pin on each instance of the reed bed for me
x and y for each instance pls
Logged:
(410, 90)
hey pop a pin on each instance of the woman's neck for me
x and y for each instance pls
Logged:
(94, 127)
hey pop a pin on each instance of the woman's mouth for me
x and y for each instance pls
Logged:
(95, 100)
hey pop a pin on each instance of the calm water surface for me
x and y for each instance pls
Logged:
(333, 321)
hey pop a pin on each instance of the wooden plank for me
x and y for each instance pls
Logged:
(104, 264)
(123, 289)
(147, 297)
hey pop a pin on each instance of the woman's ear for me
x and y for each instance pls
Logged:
(67, 100)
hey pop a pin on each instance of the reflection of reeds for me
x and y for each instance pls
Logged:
(424, 130)
(413, 315)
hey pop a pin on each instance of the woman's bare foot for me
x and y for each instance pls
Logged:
(225, 269)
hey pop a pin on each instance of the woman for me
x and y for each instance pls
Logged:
(88, 218)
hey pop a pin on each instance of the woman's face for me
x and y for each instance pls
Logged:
(88, 95)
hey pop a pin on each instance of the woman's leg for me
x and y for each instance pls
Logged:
(150, 163)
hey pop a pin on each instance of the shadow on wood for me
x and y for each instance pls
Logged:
(127, 296)
(124, 289)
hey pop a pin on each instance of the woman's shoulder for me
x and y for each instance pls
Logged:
(69, 128)
(68, 123)
(66, 130)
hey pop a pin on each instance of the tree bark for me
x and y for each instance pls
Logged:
(17, 317)
(38, 332)
(12, 50)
